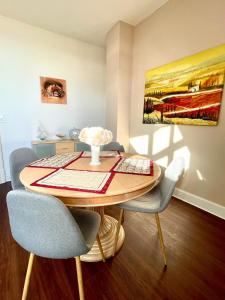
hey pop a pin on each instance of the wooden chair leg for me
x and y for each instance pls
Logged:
(79, 278)
(27, 279)
(161, 237)
(100, 247)
(117, 231)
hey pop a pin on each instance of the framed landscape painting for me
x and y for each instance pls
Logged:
(53, 90)
(188, 91)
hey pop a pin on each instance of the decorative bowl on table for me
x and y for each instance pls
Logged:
(60, 135)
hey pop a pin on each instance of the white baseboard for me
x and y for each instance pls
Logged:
(211, 207)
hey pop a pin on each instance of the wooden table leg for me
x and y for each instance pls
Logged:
(107, 233)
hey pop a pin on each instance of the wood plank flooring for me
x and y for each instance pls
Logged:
(195, 245)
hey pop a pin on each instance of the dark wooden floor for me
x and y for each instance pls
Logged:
(195, 243)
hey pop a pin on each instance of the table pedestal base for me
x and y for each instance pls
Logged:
(107, 233)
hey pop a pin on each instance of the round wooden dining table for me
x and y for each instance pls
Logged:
(123, 187)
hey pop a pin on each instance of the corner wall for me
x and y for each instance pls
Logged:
(119, 43)
(176, 30)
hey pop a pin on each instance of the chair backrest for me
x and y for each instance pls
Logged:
(168, 183)
(83, 147)
(43, 225)
(113, 146)
(18, 159)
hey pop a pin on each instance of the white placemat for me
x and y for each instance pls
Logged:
(56, 161)
(92, 181)
(134, 166)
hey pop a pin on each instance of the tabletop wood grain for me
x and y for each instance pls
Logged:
(123, 187)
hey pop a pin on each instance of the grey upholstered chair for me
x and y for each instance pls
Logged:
(113, 146)
(83, 147)
(156, 200)
(18, 159)
(44, 226)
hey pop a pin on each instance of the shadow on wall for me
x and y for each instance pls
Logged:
(166, 144)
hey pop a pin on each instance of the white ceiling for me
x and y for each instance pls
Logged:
(87, 20)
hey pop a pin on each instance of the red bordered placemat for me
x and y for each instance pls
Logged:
(123, 168)
(48, 162)
(102, 188)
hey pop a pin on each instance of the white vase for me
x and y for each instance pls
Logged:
(95, 153)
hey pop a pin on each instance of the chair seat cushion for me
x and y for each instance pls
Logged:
(89, 223)
(147, 203)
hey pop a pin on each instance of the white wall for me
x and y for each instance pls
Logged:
(176, 30)
(2, 170)
(27, 52)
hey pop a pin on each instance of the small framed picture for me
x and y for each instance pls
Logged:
(53, 90)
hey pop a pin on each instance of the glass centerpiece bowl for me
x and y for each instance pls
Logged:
(95, 137)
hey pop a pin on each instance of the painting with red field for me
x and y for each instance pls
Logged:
(188, 91)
